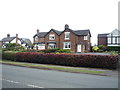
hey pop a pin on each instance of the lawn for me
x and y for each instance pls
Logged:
(52, 67)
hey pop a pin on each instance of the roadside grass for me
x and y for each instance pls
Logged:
(49, 67)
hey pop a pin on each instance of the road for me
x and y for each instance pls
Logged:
(22, 77)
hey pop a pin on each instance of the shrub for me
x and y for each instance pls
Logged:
(64, 51)
(95, 49)
(8, 55)
(113, 48)
(100, 46)
(96, 61)
(50, 50)
(56, 50)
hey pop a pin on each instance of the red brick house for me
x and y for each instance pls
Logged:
(75, 40)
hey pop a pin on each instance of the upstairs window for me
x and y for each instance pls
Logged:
(85, 37)
(36, 38)
(67, 35)
(51, 37)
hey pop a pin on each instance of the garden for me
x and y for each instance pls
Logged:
(60, 57)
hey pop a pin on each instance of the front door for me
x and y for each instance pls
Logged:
(79, 48)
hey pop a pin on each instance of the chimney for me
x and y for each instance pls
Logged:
(16, 38)
(37, 31)
(66, 26)
(8, 35)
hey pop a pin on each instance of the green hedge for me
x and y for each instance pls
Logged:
(8, 55)
(113, 48)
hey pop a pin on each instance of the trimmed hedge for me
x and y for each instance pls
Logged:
(113, 48)
(8, 56)
(95, 61)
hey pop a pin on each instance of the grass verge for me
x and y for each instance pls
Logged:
(49, 67)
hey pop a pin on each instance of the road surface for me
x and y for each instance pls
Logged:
(22, 77)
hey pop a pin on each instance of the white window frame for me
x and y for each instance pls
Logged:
(36, 38)
(109, 40)
(52, 44)
(113, 40)
(67, 38)
(68, 43)
(50, 37)
(85, 37)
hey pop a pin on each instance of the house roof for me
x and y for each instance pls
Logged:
(81, 32)
(43, 34)
(40, 34)
(76, 32)
(103, 35)
(8, 39)
(25, 41)
(56, 31)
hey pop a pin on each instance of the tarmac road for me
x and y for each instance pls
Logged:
(22, 77)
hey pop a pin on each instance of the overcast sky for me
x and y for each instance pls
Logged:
(24, 17)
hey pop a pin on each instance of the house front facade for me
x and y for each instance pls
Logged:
(109, 39)
(74, 40)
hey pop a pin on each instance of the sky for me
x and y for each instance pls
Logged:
(24, 17)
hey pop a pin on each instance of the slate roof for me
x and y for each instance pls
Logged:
(8, 39)
(58, 32)
(25, 41)
(76, 32)
(103, 35)
(81, 32)
(40, 34)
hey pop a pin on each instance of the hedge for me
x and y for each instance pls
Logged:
(113, 48)
(95, 61)
(8, 55)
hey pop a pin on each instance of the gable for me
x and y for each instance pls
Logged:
(53, 31)
(114, 33)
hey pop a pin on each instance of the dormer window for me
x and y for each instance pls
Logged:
(67, 35)
(85, 37)
(51, 37)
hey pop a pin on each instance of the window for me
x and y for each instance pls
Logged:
(109, 40)
(67, 35)
(51, 46)
(41, 47)
(85, 37)
(67, 45)
(52, 37)
(36, 38)
(113, 40)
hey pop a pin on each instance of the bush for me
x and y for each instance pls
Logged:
(64, 51)
(56, 50)
(95, 49)
(50, 50)
(113, 48)
(8, 55)
(100, 46)
(96, 61)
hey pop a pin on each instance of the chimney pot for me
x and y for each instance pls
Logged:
(8, 35)
(66, 26)
(37, 31)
